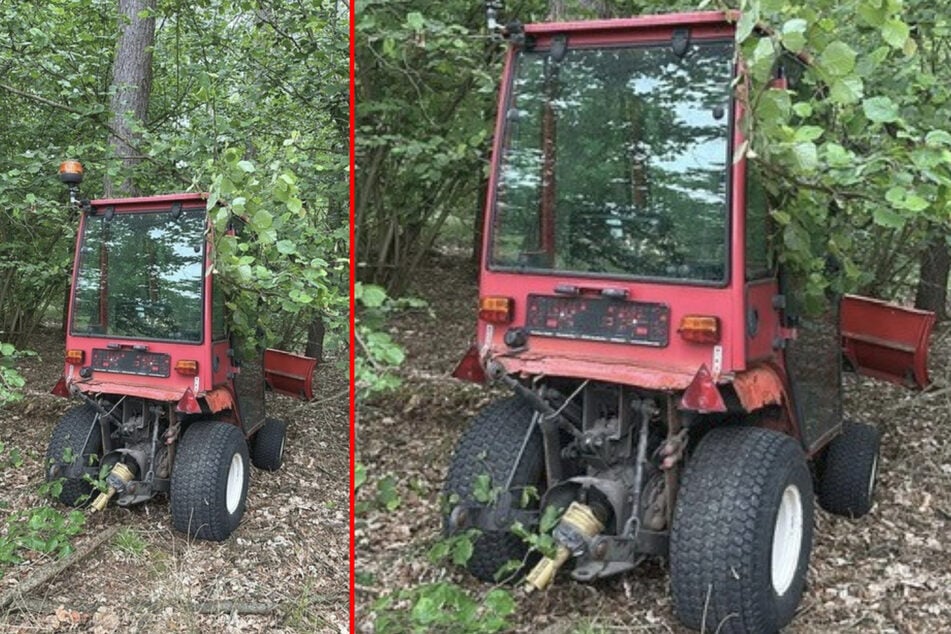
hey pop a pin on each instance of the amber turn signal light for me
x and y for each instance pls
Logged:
(75, 357)
(186, 367)
(496, 310)
(700, 328)
(71, 172)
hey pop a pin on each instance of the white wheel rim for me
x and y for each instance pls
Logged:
(787, 539)
(280, 452)
(872, 478)
(235, 483)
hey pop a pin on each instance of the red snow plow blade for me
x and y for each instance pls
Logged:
(886, 341)
(289, 374)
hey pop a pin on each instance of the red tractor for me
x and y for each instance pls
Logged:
(673, 394)
(172, 401)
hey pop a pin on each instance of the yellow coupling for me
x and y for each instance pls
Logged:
(581, 522)
(120, 476)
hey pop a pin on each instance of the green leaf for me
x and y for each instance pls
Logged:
(846, 90)
(806, 156)
(500, 602)
(286, 247)
(838, 59)
(803, 109)
(887, 218)
(794, 34)
(415, 21)
(837, 156)
(895, 33)
(762, 60)
(462, 551)
(359, 475)
(916, 203)
(808, 133)
(387, 495)
(880, 109)
(372, 296)
(746, 24)
(938, 138)
(246, 166)
(482, 488)
(773, 107)
(872, 12)
(262, 220)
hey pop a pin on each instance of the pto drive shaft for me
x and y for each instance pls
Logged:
(577, 526)
(117, 479)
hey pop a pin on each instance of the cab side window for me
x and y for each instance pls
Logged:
(757, 226)
(218, 330)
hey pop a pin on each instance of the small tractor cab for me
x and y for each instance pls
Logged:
(673, 396)
(171, 400)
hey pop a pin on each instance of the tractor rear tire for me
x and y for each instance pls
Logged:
(849, 471)
(77, 435)
(491, 446)
(267, 446)
(742, 532)
(210, 480)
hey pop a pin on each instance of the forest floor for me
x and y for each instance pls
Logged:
(887, 572)
(289, 557)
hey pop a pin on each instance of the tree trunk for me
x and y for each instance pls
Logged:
(131, 85)
(478, 235)
(935, 264)
(315, 338)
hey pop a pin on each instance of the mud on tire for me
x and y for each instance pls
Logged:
(737, 561)
(490, 446)
(76, 434)
(849, 471)
(267, 446)
(209, 486)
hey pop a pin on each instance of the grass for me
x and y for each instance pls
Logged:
(128, 542)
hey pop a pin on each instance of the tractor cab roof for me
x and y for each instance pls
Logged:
(688, 19)
(151, 203)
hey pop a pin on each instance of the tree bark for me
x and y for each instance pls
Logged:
(131, 85)
(935, 262)
(315, 338)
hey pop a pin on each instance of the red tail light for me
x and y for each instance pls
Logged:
(496, 310)
(75, 357)
(186, 367)
(700, 329)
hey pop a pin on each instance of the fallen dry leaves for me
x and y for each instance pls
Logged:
(290, 552)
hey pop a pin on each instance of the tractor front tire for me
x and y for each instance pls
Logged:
(267, 446)
(742, 532)
(849, 471)
(76, 435)
(210, 480)
(491, 446)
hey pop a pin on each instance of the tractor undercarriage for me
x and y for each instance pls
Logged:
(611, 457)
(134, 441)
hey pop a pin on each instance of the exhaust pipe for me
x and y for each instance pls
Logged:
(117, 480)
(577, 525)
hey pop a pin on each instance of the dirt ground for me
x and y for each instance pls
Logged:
(289, 556)
(887, 572)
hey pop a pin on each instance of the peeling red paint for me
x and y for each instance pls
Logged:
(758, 388)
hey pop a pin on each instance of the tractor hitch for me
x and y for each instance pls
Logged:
(498, 516)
